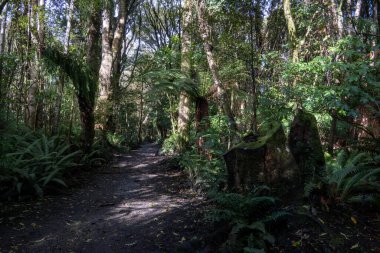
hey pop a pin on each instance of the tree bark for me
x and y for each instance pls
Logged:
(3, 24)
(33, 66)
(40, 117)
(2, 5)
(337, 14)
(58, 102)
(87, 101)
(358, 9)
(292, 32)
(184, 100)
(222, 96)
(109, 72)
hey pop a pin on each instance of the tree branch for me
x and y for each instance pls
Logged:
(2, 5)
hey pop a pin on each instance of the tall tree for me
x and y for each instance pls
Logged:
(113, 34)
(184, 100)
(66, 42)
(292, 32)
(84, 76)
(205, 30)
(36, 33)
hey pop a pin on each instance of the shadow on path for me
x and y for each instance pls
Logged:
(138, 204)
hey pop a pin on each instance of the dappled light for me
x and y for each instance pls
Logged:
(189, 126)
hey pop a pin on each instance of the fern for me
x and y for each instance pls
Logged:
(249, 215)
(357, 177)
(170, 82)
(38, 161)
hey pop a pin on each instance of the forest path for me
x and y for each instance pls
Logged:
(137, 204)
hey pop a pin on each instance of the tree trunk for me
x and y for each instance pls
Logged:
(32, 68)
(139, 134)
(40, 117)
(3, 24)
(86, 104)
(292, 32)
(337, 13)
(332, 136)
(109, 72)
(184, 100)
(255, 26)
(358, 9)
(88, 123)
(58, 102)
(204, 30)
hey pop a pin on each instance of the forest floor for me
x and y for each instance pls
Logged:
(142, 202)
(137, 204)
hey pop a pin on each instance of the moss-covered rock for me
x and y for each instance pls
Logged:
(266, 160)
(306, 147)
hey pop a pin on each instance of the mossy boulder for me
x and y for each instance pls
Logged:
(306, 147)
(266, 160)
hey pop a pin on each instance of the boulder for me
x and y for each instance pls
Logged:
(266, 160)
(306, 147)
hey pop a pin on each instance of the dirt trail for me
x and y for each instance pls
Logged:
(138, 204)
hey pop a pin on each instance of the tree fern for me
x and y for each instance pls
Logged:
(171, 82)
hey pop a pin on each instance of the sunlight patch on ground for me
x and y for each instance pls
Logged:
(140, 211)
(141, 165)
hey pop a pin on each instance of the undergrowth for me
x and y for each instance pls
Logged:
(249, 215)
(31, 162)
(355, 177)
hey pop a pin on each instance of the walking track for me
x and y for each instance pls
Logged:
(137, 204)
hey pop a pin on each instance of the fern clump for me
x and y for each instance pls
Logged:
(356, 177)
(32, 162)
(249, 214)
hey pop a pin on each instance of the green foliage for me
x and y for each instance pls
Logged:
(205, 166)
(170, 144)
(83, 78)
(33, 161)
(203, 172)
(170, 82)
(249, 216)
(98, 156)
(356, 177)
(116, 139)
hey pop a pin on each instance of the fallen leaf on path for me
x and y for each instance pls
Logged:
(355, 246)
(131, 244)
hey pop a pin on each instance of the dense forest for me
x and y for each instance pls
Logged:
(262, 117)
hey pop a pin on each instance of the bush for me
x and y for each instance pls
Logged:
(202, 171)
(170, 146)
(31, 162)
(355, 177)
(249, 214)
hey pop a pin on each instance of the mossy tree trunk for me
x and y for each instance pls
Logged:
(292, 32)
